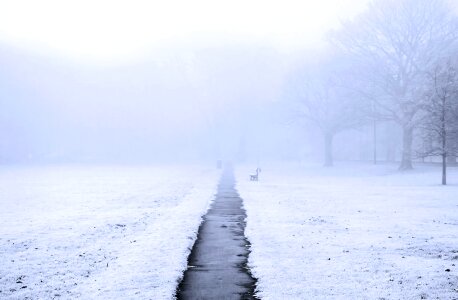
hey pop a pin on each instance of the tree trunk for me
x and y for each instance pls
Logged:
(444, 169)
(407, 139)
(374, 129)
(444, 137)
(328, 159)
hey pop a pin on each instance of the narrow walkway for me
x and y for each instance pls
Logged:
(217, 264)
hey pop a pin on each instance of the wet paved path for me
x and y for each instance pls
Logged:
(217, 263)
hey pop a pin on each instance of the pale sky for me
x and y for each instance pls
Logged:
(114, 30)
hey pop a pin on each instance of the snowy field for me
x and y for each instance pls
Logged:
(99, 232)
(352, 232)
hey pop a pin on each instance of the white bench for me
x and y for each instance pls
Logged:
(255, 177)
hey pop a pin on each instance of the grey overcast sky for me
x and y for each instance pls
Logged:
(113, 30)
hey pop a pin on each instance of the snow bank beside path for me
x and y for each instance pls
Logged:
(352, 232)
(99, 232)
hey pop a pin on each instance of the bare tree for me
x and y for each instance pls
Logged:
(440, 122)
(397, 41)
(321, 96)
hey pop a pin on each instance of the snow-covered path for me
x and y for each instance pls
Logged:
(99, 232)
(352, 232)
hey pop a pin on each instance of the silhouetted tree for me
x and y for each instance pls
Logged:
(440, 122)
(320, 91)
(397, 41)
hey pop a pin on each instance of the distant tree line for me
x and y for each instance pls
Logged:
(397, 61)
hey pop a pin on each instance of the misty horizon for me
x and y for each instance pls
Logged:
(169, 109)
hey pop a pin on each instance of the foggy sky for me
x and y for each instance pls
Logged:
(110, 83)
(110, 31)
(196, 104)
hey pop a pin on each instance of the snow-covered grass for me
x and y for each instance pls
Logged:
(99, 232)
(352, 232)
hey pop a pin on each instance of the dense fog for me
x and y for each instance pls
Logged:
(192, 104)
(204, 97)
